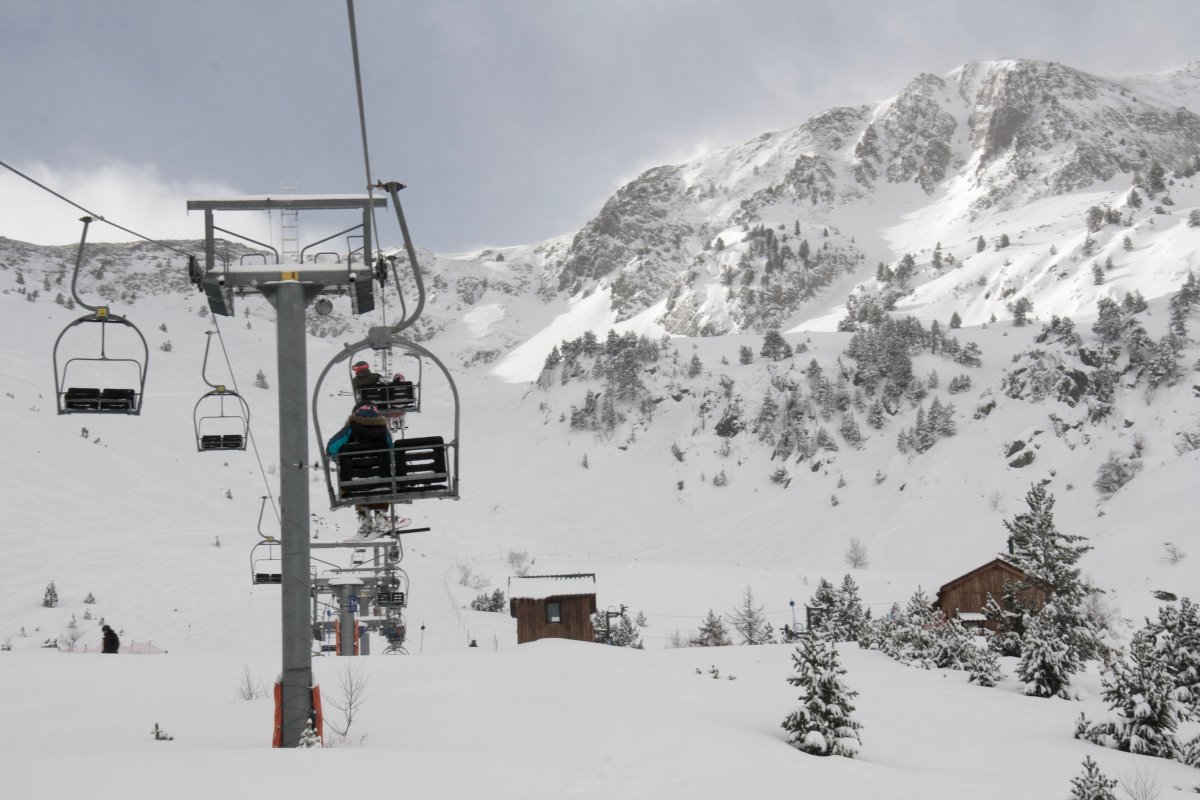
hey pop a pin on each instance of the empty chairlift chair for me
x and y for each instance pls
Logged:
(96, 399)
(222, 421)
(127, 372)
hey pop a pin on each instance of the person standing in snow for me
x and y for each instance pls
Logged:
(365, 426)
(112, 643)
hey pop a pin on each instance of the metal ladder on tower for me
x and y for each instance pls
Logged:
(289, 227)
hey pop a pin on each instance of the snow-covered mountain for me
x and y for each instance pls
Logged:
(894, 246)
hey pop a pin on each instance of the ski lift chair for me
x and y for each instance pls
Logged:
(267, 567)
(221, 430)
(97, 400)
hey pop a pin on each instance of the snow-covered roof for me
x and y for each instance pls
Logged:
(539, 587)
(971, 616)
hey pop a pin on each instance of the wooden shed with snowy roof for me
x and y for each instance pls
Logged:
(553, 606)
(965, 596)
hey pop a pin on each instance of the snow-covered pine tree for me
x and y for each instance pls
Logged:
(775, 347)
(1177, 632)
(750, 622)
(1048, 659)
(1140, 690)
(912, 639)
(1008, 624)
(881, 631)
(823, 724)
(712, 633)
(619, 632)
(849, 620)
(954, 647)
(50, 598)
(822, 607)
(983, 667)
(1048, 558)
(1092, 784)
(309, 738)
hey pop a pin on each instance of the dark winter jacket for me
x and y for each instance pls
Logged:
(111, 642)
(362, 380)
(364, 426)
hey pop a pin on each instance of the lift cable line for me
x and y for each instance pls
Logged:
(96, 217)
(250, 430)
(362, 114)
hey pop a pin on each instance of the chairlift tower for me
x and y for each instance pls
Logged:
(290, 288)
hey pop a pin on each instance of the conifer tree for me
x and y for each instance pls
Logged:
(1046, 556)
(750, 622)
(1108, 321)
(50, 598)
(822, 606)
(1048, 658)
(911, 638)
(1007, 623)
(712, 633)
(1140, 690)
(849, 620)
(618, 632)
(1177, 632)
(1092, 784)
(775, 347)
(953, 647)
(823, 724)
(983, 667)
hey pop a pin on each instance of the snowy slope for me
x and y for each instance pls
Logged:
(131, 513)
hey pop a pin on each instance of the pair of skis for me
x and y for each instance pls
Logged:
(370, 535)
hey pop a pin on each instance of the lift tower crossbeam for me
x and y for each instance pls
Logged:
(290, 288)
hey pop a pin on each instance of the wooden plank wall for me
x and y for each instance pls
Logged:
(576, 619)
(971, 594)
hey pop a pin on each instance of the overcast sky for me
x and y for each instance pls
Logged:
(511, 122)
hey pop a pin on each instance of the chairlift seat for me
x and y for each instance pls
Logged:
(364, 470)
(421, 464)
(393, 397)
(118, 400)
(268, 577)
(228, 441)
(82, 399)
(100, 401)
(390, 599)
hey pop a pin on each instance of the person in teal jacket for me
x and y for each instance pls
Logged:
(366, 426)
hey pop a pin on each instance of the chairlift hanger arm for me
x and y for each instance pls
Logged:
(79, 263)
(393, 188)
(262, 507)
(204, 365)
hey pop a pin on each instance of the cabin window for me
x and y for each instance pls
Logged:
(553, 612)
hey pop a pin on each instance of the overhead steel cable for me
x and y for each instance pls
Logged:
(249, 428)
(362, 117)
(96, 217)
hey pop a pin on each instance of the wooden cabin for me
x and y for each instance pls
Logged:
(965, 596)
(553, 606)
